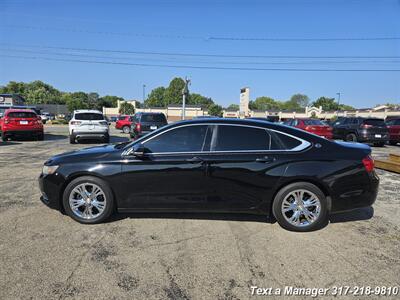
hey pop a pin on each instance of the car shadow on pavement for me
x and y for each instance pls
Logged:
(194, 216)
(54, 137)
(360, 214)
(8, 143)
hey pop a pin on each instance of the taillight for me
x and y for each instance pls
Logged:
(104, 123)
(76, 122)
(368, 163)
(6, 120)
(138, 127)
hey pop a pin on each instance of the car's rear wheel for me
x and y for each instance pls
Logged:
(88, 200)
(351, 137)
(3, 137)
(300, 206)
(126, 129)
(72, 139)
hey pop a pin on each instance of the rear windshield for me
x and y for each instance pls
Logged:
(22, 115)
(153, 118)
(313, 122)
(89, 116)
(374, 122)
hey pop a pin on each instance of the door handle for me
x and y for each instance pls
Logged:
(265, 159)
(194, 160)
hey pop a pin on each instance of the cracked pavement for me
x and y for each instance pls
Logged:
(46, 255)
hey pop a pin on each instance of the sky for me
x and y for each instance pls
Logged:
(116, 47)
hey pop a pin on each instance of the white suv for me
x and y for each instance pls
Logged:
(88, 124)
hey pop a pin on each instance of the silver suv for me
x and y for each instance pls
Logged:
(88, 124)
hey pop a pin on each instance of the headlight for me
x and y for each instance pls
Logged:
(47, 170)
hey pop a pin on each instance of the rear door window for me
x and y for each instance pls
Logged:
(22, 115)
(89, 117)
(241, 138)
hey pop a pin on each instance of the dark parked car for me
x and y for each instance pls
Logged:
(367, 130)
(215, 165)
(393, 126)
(144, 123)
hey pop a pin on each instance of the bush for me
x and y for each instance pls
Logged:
(58, 122)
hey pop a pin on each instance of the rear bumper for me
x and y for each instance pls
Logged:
(358, 198)
(91, 134)
(371, 137)
(23, 132)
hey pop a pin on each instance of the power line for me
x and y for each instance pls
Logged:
(201, 61)
(203, 54)
(212, 38)
(199, 67)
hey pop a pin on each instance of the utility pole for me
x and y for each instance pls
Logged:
(144, 92)
(185, 93)
(338, 102)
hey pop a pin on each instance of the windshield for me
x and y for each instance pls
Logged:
(153, 118)
(374, 122)
(313, 122)
(22, 115)
(89, 116)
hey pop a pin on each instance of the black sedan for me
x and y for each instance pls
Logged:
(215, 165)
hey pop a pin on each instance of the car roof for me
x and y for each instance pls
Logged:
(92, 111)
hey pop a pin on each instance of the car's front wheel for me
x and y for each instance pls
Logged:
(351, 137)
(300, 206)
(88, 200)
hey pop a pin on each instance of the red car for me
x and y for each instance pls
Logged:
(21, 122)
(124, 123)
(314, 126)
(394, 131)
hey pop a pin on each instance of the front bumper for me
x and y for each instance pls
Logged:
(49, 186)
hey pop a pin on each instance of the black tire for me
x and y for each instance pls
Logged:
(126, 129)
(40, 137)
(393, 143)
(72, 139)
(351, 137)
(109, 207)
(380, 144)
(107, 139)
(321, 220)
(4, 137)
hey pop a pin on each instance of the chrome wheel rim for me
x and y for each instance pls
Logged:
(126, 129)
(87, 201)
(301, 208)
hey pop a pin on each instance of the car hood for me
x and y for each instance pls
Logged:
(83, 155)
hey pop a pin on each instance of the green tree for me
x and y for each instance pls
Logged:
(197, 99)
(297, 101)
(346, 107)
(156, 98)
(265, 103)
(233, 107)
(215, 110)
(108, 101)
(126, 109)
(326, 103)
(173, 93)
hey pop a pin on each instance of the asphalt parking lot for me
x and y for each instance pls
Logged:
(46, 255)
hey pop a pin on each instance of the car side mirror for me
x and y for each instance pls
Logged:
(138, 150)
